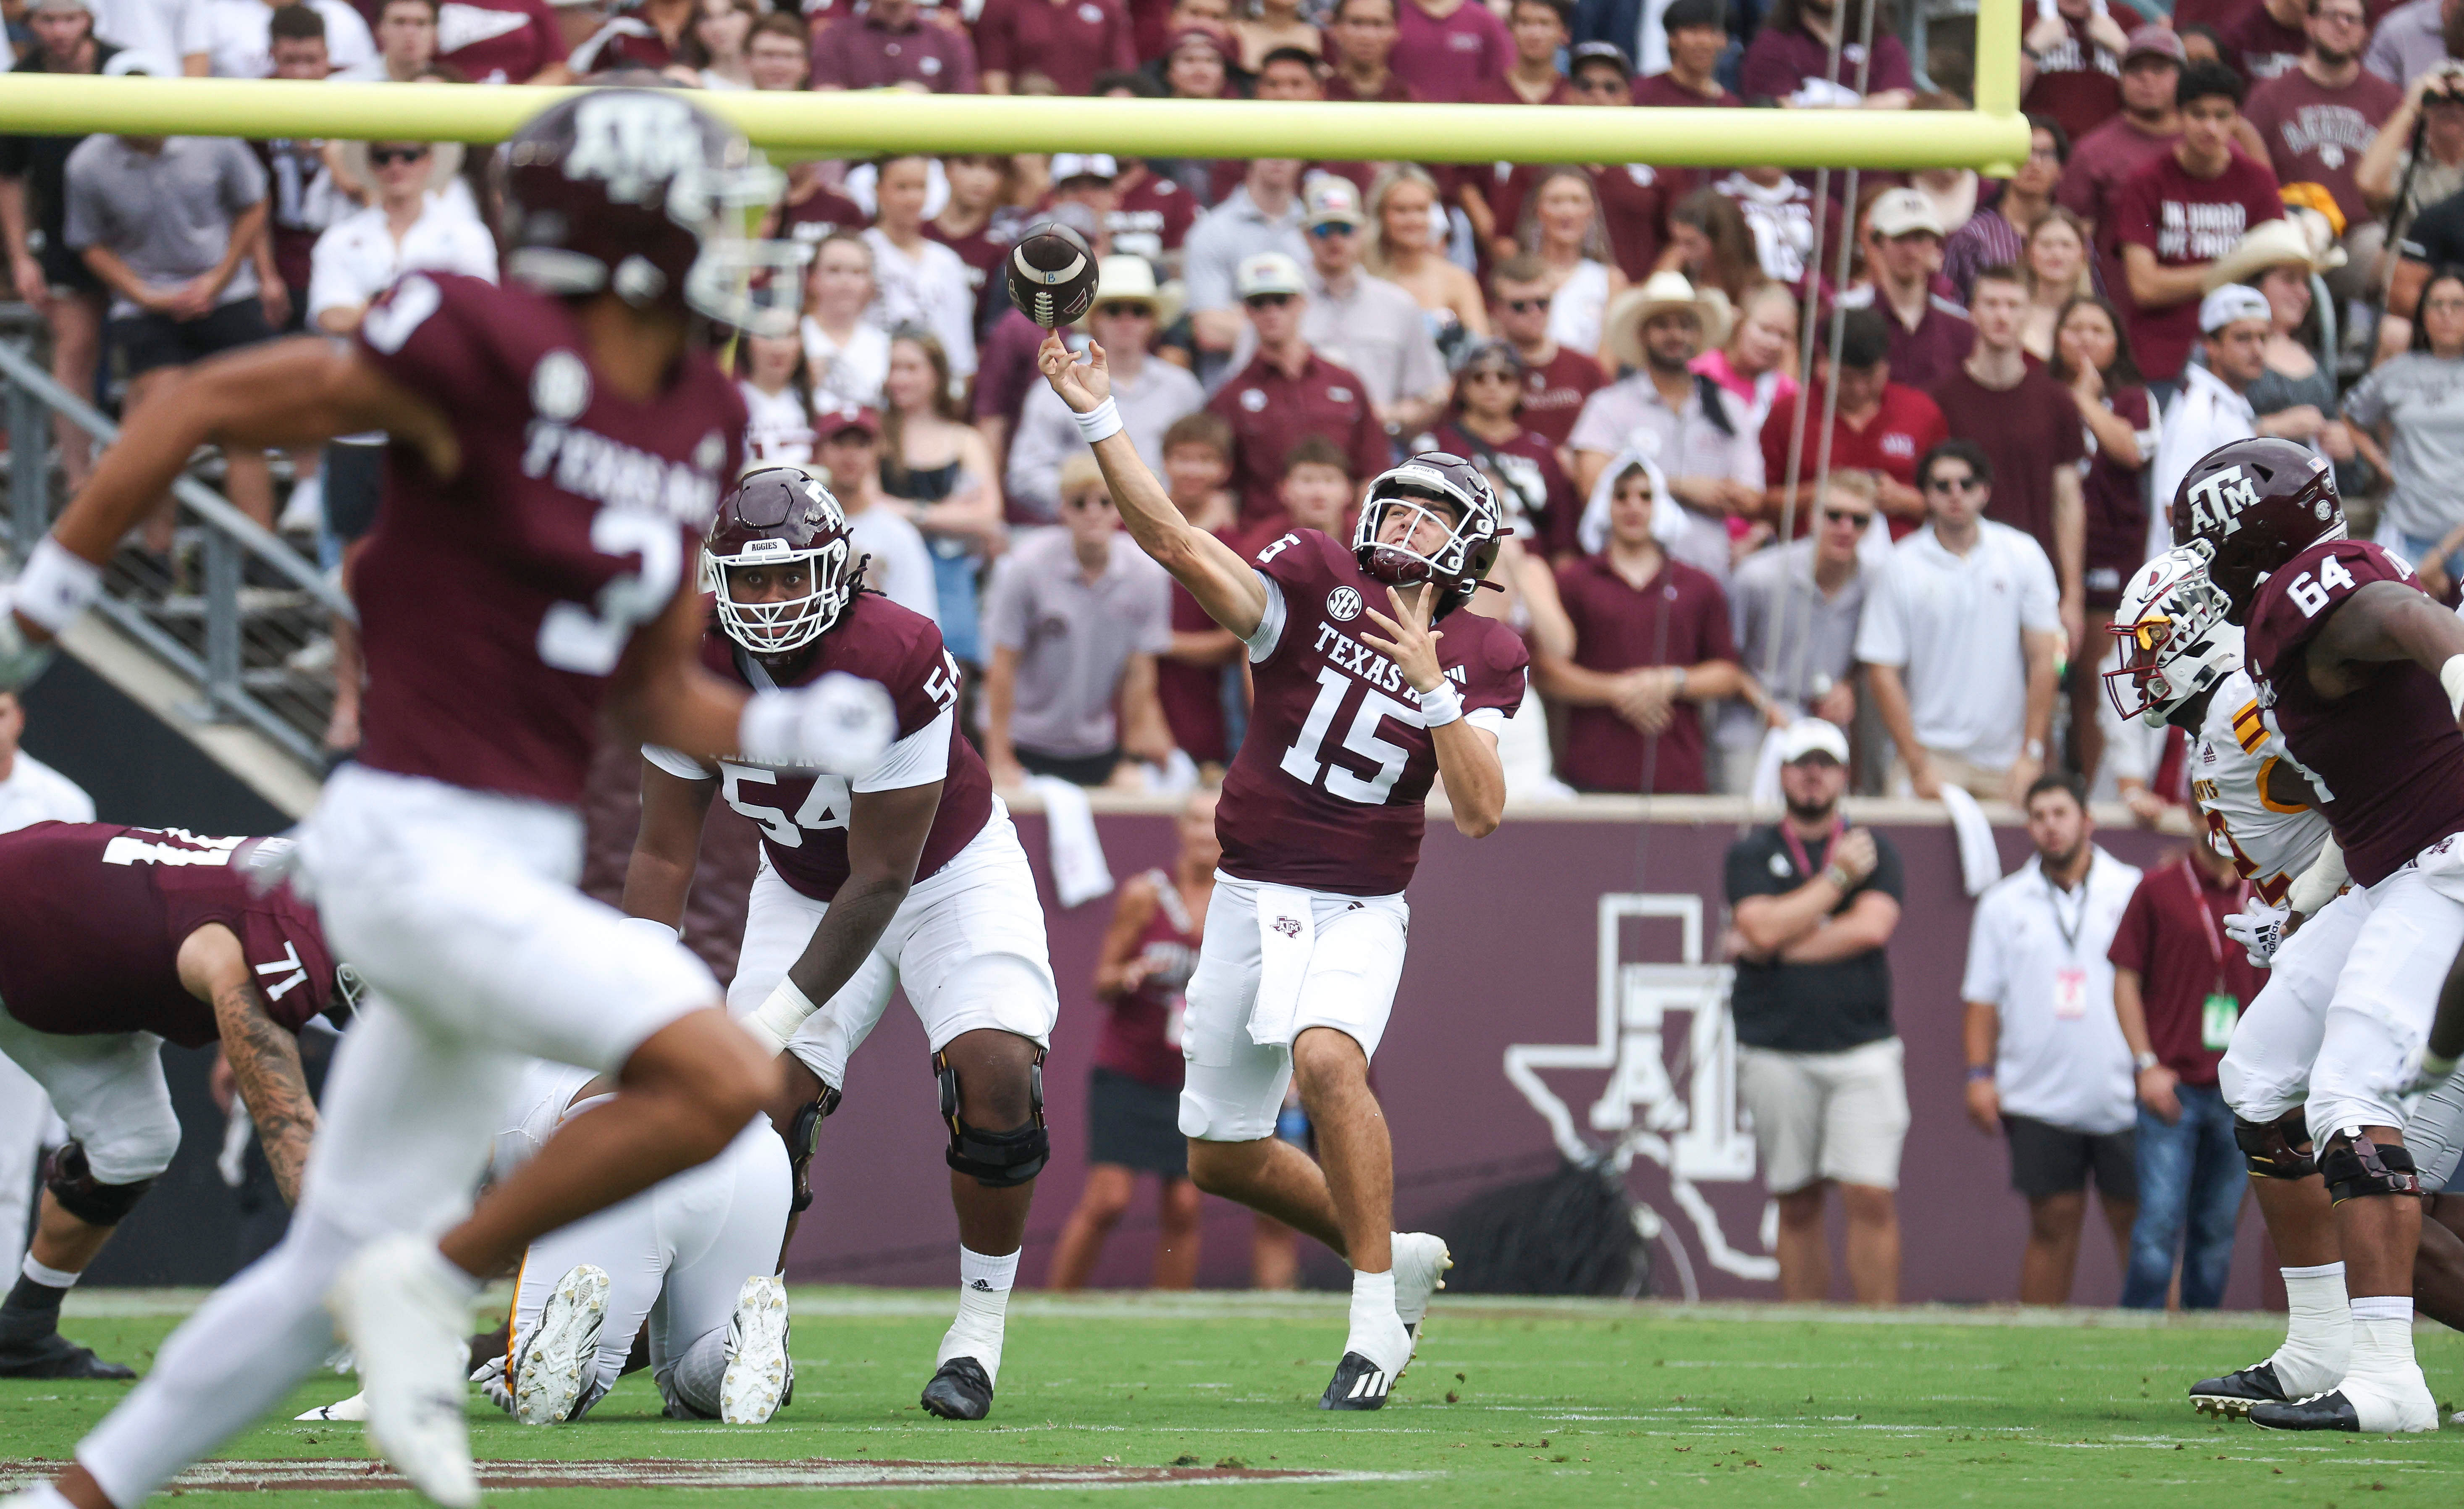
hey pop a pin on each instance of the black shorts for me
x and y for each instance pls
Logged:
(354, 483)
(1078, 770)
(64, 269)
(143, 342)
(1134, 1124)
(2046, 1159)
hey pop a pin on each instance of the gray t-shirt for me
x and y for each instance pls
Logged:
(1074, 637)
(2422, 399)
(166, 214)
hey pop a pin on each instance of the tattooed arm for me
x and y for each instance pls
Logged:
(264, 1056)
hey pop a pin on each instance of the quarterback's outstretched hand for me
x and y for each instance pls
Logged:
(1082, 383)
(1413, 646)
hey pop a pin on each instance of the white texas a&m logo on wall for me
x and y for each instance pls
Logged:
(1668, 1112)
(2217, 501)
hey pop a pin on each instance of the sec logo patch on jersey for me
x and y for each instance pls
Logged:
(1343, 604)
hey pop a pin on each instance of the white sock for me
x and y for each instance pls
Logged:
(47, 1278)
(42, 1495)
(1376, 1331)
(699, 1372)
(2318, 1331)
(983, 1309)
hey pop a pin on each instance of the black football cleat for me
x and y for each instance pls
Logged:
(1359, 1383)
(55, 1356)
(960, 1390)
(2328, 1412)
(2235, 1393)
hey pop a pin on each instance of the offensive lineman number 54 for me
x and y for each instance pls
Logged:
(2310, 596)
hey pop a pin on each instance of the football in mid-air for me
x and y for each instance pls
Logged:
(1051, 275)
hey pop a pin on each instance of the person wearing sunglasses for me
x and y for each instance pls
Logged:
(1556, 379)
(1288, 390)
(1367, 323)
(1128, 314)
(1959, 637)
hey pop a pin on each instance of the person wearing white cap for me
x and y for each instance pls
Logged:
(1287, 391)
(1930, 335)
(1128, 310)
(1820, 1067)
(2234, 324)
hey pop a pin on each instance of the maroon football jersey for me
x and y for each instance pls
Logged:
(803, 818)
(494, 604)
(2386, 760)
(1326, 790)
(92, 916)
(1141, 1034)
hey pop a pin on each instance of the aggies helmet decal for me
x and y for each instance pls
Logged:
(2250, 506)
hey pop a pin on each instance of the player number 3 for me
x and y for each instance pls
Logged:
(591, 639)
(2310, 596)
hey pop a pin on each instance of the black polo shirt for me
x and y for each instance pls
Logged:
(1809, 1008)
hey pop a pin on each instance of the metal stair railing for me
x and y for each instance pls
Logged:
(250, 630)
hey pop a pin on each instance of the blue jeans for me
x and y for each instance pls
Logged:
(2191, 1174)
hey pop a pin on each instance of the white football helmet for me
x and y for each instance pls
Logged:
(2175, 641)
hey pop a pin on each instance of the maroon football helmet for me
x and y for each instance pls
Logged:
(643, 192)
(2249, 507)
(779, 516)
(1418, 489)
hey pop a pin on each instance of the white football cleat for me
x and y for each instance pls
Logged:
(755, 1381)
(351, 1410)
(1421, 1264)
(559, 1359)
(407, 1314)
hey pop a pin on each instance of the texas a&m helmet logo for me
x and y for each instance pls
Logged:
(2217, 501)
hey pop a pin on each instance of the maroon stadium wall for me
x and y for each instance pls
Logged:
(1546, 980)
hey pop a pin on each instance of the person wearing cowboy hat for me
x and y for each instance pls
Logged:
(1662, 408)
(1128, 312)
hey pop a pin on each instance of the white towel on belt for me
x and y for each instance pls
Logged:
(1079, 873)
(1980, 862)
(1287, 933)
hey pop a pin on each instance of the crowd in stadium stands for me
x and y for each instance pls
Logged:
(1915, 525)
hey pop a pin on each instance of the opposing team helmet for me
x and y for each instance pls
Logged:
(2250, 506)
(780, 516)
(1415, 490)
(2176, 641)
(644, 193)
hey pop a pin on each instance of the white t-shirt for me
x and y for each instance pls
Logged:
(241, 41)
(779, 430)
(930, 289)
(35, 793)
(168, 30)
(2036, 954)
(901, 568)
(1578, 309)
(846, 376)
(1952, 624)
(356, 258)
(2206, 414)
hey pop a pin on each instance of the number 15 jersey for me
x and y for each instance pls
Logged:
(1327, 792)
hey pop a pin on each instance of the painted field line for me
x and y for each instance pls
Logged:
(301, 1474)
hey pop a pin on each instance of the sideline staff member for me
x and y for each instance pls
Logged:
(1818, 1063)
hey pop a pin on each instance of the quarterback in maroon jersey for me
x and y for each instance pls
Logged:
(2362, 675)
(906, 873)
(1361, 703)
(114, 940)
(557, 447)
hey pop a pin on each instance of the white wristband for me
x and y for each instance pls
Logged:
(645, 926)
(776, 1020)
(55, 586)
(2316, 887)
(1440, 705)
(1101, 422)
(765, 735)
(2449, 676)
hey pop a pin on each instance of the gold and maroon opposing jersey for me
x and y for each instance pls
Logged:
(93, 914)
(496, 603)
(1327, 792)
(2270, 843)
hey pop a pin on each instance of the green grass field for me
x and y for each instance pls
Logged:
(1530, 1401)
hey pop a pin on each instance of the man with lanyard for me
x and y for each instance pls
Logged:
(2046, 1061)
(2178, 988)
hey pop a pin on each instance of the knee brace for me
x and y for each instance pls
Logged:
(74, 1184)
(2275, 1149)
(2356, 1166)
(803, 1136)
(995, 1160)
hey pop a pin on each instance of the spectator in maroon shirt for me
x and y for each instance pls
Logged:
(890, 44)
(1930, 335)
(1652, 643)
(1192, 64)
(1878, 424)
(1288, 391)
(1997, 235)
(1791, 60)
(1481, 426)
(779, 54)
(1446, 49)
(2182, 212)
(1539, 29)
(1364, 34)
(2319, 116)
(980, 183)
(2070, 63)
(2105, 159)
(1696, 36)
(2269, 37)
(2092, 358)
(478, 43)
(1066, 41)
(1556, 380)
(2031, 431)
(1195, 679)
